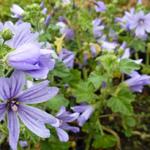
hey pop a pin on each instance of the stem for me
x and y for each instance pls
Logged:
(142, 135)
(136, 55)
(108, 115)
(9, 72)
(100, 127)
(118, 146)
(88, 143)
(147, 58)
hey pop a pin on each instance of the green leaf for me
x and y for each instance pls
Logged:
(54, 145)
(96, 79)
(104, 141)
(84, 92)
(137, 44)
(128, 65)
(56, 102)
(73, 77)
(109, 63)
(121, 101)
(60, 70)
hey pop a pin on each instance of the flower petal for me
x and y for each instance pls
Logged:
(17, 81)
(38, 93)
(2, 110)
(63, 136)
(13, 127)
(39, 115)
(27, 52)
(34, 125)
(67, 127)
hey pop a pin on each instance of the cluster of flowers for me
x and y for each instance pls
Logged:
(29, 58)
(132, 20)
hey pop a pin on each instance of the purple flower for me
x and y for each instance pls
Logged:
(69, 34)
(23, 144)
(141, 24)
(100, 6)
(32, 60)
(42, 4)
(67, 57)
(85, 113)
(64, 29)
(44, 11)
(66, 117)
(95, 49)
(126, 19)
(47, 20)
(137, 81)
(17, 11)
(97, 28)
(109, 46)
(21, 34)
(14, 100)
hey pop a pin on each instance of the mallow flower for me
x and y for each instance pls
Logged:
(32, 60)
(141, 24)
(47, 20)
(64, 29)
(65, 117)
(136, 82)
(85, 112)
(17, 11)
(100, 6)
(109, 46)
(21, 34)
(98, 28)
(125, 21)
(14, 100)
(126, 53)
(67, 57)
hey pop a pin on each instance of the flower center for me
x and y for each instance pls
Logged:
(141, 21)
(12, 104)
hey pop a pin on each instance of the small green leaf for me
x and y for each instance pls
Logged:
(56, 102)
(104, 141)
(84, 92)
(128, 65)
(96, 79)
(121, 101)
(60, 70)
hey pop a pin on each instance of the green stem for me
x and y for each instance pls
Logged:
(136, 55)
(100, 127)
(87, 147)
(147, 58)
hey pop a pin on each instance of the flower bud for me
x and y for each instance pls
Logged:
(6, 34)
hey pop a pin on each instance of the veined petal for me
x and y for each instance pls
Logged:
(63, 135)
(34, 125)
(4, 89)
(17, 81)
(39, 115)
(67, 127)
(10, 87)
(27, 52)
(14, 129)
(140, 31)
(40, 73)
(38, 93)
(21, 65)
(70, 117)
(2, 110)
(66, 116)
